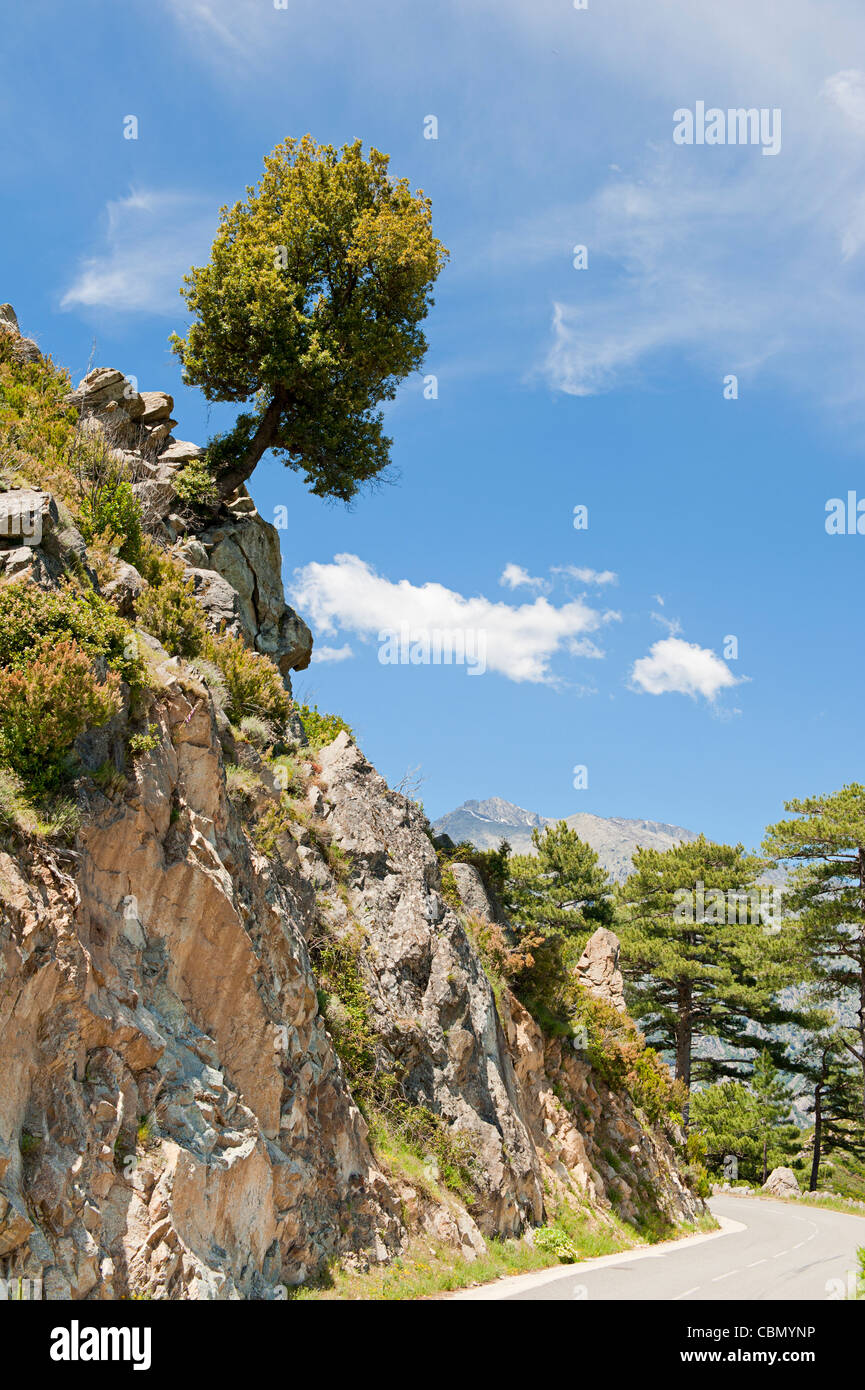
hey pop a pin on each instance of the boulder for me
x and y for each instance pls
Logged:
(158, 405)
(782, 1182)
(180, 451)
(26, 515)
(598, 968)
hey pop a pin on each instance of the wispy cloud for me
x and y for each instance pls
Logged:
(585, 575)
(521, 641)
(342, 653)
(149, 241)
(683, 668)
(515, 577)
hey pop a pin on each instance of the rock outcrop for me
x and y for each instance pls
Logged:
(233, 559)
(179, 1111)
(598, 968)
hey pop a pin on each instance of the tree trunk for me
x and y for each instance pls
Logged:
(818, 1136)
(683, 1038)
(231, 478)
(765, 1164)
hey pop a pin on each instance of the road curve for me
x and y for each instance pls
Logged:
(767, 1250)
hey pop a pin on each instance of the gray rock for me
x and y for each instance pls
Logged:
(180, 451)
(598, 968)
(125, 588)
(782, 1182)
(158, 406)
(473, 893)
(26, 515)
(245, 550)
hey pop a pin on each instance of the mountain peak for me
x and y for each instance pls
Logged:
(614, 838)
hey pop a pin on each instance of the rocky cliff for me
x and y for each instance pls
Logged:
(241, 942)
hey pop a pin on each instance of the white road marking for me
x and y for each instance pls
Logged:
(756, 1263)
(695, 1289)
(780, 1254)
(718, 1277)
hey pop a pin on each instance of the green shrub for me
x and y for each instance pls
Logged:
(110, 511)
(321, 729)
(145, 742)
(253, 683)
(257, 731)
(169, 612)
(555, 1242)
(56, 818)
(30, 616)
(195, 484)
(45, 705)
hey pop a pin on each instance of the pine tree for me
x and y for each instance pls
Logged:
(700, 960)
(773, 1100)
(555, 899)
(827, 842)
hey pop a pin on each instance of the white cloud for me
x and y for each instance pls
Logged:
(684, 668)
(586, 575)
(520, 642)
(847, 90)
(151, 239)
(332, 653)
(515, 577)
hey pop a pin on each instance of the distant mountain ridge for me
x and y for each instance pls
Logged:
(614, 838)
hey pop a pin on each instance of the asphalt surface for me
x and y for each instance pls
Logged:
(767, 1250)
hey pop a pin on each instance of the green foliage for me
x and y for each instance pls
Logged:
(253, 684)
(37, 430)
(169, 611)
(321, 729)
(195, 484)
(699, 973)
(554, 900)
(45, 705)
(28, 1143)
(553, 1240)
(257, 731)
(145, 742)
(751, 1122)
(311, 304)
(109, 511)
(825, 842)
(31, 617)
(35, 818)
(270, 827)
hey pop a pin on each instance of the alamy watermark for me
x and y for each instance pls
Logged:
(761, 905)
(421, 646)
(735, 126)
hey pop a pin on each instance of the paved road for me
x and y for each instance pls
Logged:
(768, 1250)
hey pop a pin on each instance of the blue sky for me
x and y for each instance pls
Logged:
(557, 387)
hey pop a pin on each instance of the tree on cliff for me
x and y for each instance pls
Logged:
(827, 841)
(311, 306)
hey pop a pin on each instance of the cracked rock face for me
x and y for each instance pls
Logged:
(169, 984)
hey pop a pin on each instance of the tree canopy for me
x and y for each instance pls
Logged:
(826, 838)
(699, 960)
(311, 306)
